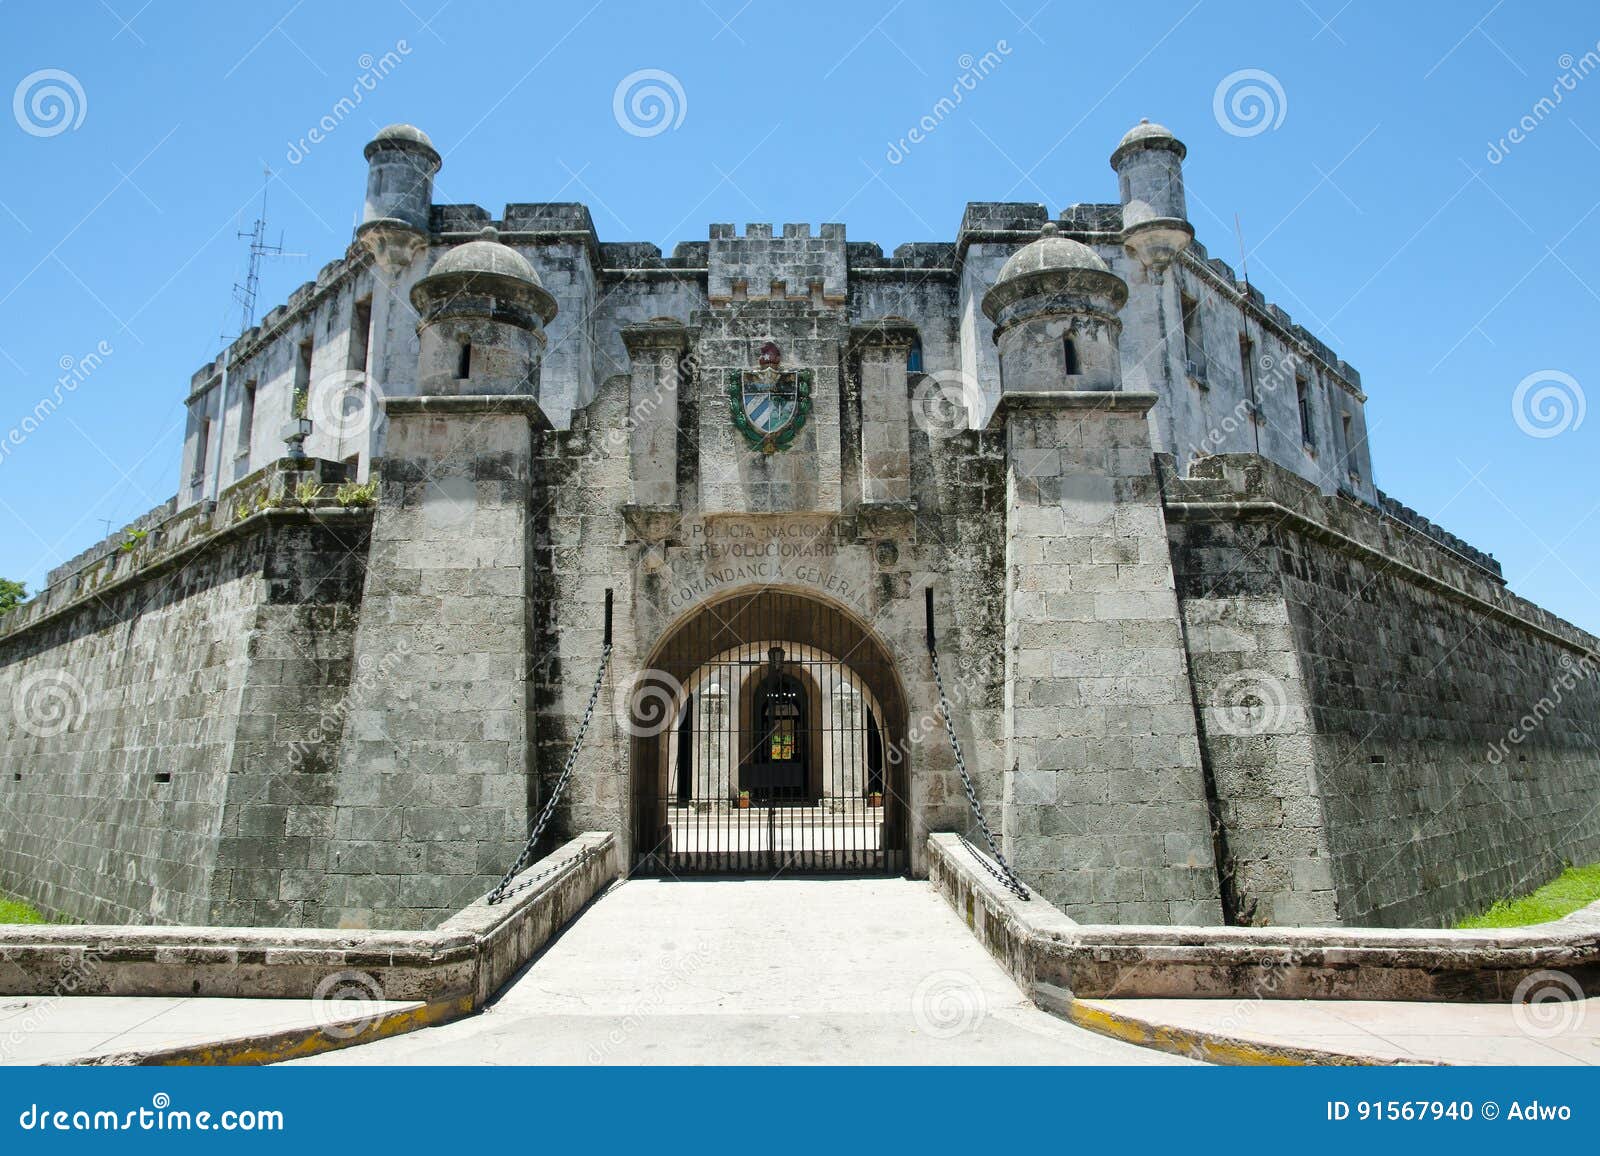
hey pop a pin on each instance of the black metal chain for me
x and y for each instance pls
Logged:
(503, 888)
(1006, 875)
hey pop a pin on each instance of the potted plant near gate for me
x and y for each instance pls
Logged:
(874, 798)
(744, 800)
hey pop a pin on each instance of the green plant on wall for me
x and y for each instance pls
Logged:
(12, 594)
(135, 539)
(307, 491)
(350, 494)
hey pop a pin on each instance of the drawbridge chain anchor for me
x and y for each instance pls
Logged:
(1005, 874)
(504, 888)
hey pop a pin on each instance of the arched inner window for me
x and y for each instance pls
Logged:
(1072, 356)
(914, 356)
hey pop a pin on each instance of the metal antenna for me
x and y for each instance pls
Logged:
(1244, 261)
(245, 294)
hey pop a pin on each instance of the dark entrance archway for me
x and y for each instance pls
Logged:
(780, 708)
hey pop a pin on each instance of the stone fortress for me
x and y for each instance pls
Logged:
(1201, 670)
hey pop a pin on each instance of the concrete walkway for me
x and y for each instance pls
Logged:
(791, 971)
(114, 1029)
(1355, 1031)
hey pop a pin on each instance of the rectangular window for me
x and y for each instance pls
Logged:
(1071, 346)
(202, 445)
(1194, 350)
(464, 362)
(247, 417)
(1349, 449)
(302, 378)
(360, 327)
(1247, 366)
(1302, 393)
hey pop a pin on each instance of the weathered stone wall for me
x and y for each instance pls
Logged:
(148, 720)
(1105, 809)
(1395, 739)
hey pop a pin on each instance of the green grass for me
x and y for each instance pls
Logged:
(1573, 888)
(16, 911)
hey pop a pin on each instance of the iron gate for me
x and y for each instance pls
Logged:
(762, 743)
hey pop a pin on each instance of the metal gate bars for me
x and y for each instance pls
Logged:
(764, 741)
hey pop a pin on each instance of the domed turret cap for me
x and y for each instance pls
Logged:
(1052, 263)
(1147, 135)
(485, 264)
(406, 137)
(1050, 251)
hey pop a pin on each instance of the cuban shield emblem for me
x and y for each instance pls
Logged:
(770, 404)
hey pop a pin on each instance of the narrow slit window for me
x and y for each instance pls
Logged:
(360, 327)
(1194, 352)
(1071, 345)
(302, 378)
(247, 417)
(464, 362)
(1302, 391)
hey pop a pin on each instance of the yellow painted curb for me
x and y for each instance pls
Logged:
(1213, 1047)
(290, 1043)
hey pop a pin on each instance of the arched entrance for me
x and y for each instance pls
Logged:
(760, 727)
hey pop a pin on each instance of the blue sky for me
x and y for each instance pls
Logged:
(1371, 208)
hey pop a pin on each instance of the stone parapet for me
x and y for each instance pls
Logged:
(457, 967)
(1057, 961)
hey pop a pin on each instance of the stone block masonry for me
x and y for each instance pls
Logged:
(1395, 739)
(161, 753)
(1105, 809)
(434, 794)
